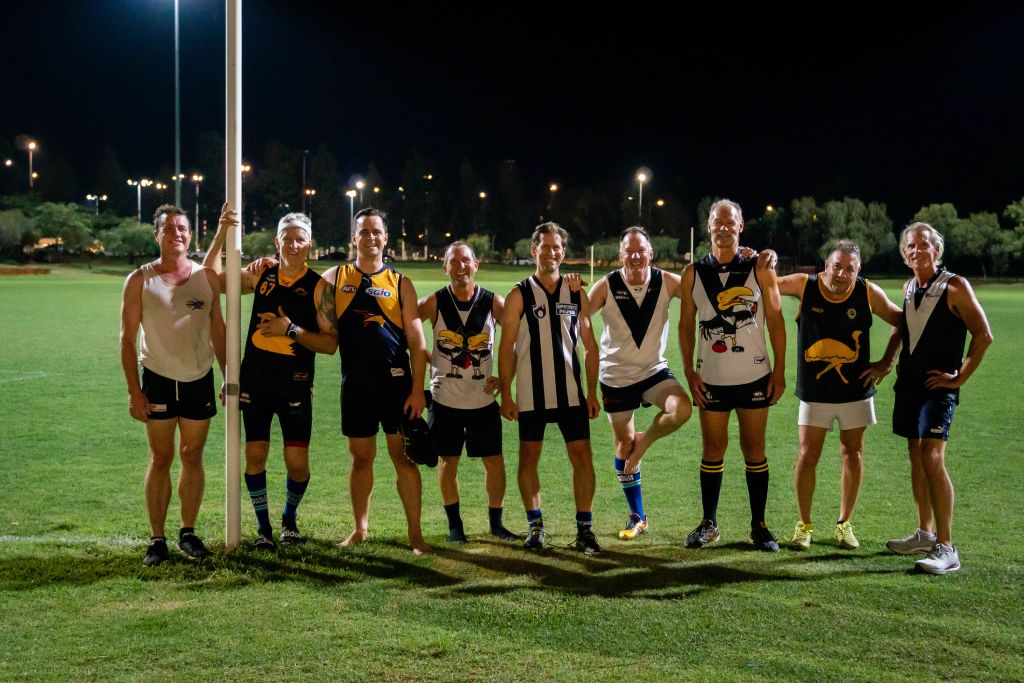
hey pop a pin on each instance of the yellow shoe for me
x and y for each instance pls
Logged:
(634, 527)
(844, 534)
(801, 536)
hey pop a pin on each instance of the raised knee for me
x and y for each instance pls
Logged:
(681, 412)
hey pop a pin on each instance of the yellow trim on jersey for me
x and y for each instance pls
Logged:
(800, 304)
(286, 281)
(825, 294)
(348, 282)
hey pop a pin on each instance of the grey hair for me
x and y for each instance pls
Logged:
(295, 220)
(845, 247)
(452, 247)
(720, 203)
(935, 240)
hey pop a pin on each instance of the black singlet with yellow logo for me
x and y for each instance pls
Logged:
(280, 359)
(833, 344)
(370, 331)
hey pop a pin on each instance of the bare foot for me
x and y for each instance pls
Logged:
(637, 454)
(355, 538)
(419, 546)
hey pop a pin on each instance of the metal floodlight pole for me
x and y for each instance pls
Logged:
(177, 110)
(233, 177)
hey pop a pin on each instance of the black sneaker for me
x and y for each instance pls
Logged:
(264, 543)
(705, 533)
(586, 543)
(763, 539)
(156, 552)
(191, 545)
(291, 536)
(504, 534)
(535, 540)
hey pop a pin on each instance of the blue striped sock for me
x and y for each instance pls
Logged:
(294, 490)
(257, 486)
(631, 487)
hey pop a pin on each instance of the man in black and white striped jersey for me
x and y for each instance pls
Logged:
(543, 322)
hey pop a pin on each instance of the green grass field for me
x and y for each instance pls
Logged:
(77, 604)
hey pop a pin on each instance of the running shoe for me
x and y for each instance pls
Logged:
(844, 534)
(920, 541)
(801, 536)
(705, 533)
(634, 527)
(941, 560)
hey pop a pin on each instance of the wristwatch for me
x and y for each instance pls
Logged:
(293, 331)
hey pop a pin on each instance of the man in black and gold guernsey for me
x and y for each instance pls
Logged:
(276, 378)
(383, 360)
(835, 376)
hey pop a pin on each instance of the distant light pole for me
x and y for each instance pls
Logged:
(303, 152)
(138, 185)
(178, 175)
(309, 194)
(641, 178)
(359, 186)
(351, 194)
(480, 214)
(552, 189)
(31, 176)
(96, 199)
(197, 180)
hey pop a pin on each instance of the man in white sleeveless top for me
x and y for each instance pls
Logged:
(176, 303)
(463, 316)
(634, 302)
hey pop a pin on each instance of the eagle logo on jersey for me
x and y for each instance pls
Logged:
(195, 304)
(281, 345)
(464, 352)
(540, 311)
(371, 318)
(736, 307)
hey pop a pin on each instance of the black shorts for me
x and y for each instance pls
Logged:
(723, 398)
(622, 399)
(365, 404)
(574, 423)
(293, 406)
(478, 428)
(923, 414)
(170, 399)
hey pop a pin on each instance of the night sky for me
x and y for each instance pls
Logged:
(901, 105)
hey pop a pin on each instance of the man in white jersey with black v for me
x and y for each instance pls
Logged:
(542, 324)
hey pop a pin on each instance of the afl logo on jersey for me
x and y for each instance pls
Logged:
(378, 292)
(348, 289)
(851, 313)
(540, 311)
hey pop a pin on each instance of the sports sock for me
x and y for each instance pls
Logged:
(584, 520)
(757, 490)
(294, 490)
(494, 515)
(534, 517)
(711, 487)
(257, 486)
(631, 487)
(185, 530)
(454, 518)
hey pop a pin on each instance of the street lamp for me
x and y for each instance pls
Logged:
(96, 199)
(351, 194)
(138, 185)
(196, 180)
(309, 194)
(32, 146)
(359, 186)
(641, 177)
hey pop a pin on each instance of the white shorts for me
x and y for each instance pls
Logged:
(852, 415)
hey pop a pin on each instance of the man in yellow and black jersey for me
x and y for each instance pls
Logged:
(285, 331)
(383, 359)
(835, 377)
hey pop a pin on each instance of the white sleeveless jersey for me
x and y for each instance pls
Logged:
(547, 367)
(635, 329)
(175, 340)
(731, 346)
(462, 353)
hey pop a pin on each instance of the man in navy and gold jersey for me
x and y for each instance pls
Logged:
(727, 303)
(464, 316)
(939, 310)
(276, 378)
(175, 304)
(542, 324)
(383, 359)
(835, 378)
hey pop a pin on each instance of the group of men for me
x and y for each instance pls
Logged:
(730, 308)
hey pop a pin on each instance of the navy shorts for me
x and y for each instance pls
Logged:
(292, 405)
(367, 404)
(622, 399)
(723, 398)
(479, 429)
(574, 423)
(922, 414)
(170, 399)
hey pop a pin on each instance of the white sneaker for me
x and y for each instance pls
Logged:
(920, 541)
(942, 559)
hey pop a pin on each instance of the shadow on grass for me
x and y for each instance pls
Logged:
(479, 568)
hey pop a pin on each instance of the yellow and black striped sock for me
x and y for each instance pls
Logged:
(711, 487)
(757, 489)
